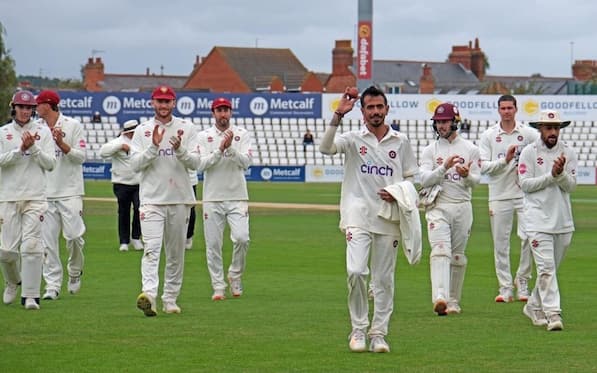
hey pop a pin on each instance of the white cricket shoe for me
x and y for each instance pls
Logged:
(123, 247)
(522, 289)
(137, 244)
(537, 316)
(554, 322)
(74, 284)
(50, 294)
(31, 304)
(505, 296)
(146, 303)
(189, 244)
(453, 308)
(379, 344)
(171, 307)
(218, 295)
(10, 292)
(357, 341)
(236, 286)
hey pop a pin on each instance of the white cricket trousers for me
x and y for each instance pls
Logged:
(21, 230)
(548, 251)
(167, 223)
(501, 215)
(215, 217)
(448, 229)
(65, 214)
(380, 249)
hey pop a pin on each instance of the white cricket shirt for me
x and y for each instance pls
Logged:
(493, 146)
(547, 207)
(224, 178)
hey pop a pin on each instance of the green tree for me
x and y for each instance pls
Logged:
(8, 78)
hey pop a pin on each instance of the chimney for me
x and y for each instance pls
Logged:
(584, 70)
(478, 61)
(93, 75)
(342, 57)
(147, 71)
(426, 82)
(470, 57)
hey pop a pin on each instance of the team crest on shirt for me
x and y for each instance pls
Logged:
(210, 139)
(461, 160)
(141, 216)
(431, 226)
(520, 138)
(236, 138)
(348, 236)
(82, 144)
(205, 216)
(147, 133)
(363, 150)
(535, 244)
(9, 136)
(180, 132)
(395, 243)
(439, 161)
(41, 218)
(498, 139)
(392, 154)
(540, 161)
(37, 137)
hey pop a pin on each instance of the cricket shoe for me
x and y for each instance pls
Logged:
(123, 247)
(218, 295)
(453, 308)
(379, 344)
(31, 304)
(10, 292)
(50, 294)
(504, 296)
(74, 284)
(171, 307)
(522, 289)
(554, 322)
(236, 287)
(537, 317)
(146, 303)
(137, 244)
(357, 341)
(440, 307)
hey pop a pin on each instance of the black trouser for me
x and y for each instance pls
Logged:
(127, 195)
(192, 216)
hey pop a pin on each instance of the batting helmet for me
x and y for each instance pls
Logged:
(446, 111)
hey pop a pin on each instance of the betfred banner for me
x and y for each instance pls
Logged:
(364, 50)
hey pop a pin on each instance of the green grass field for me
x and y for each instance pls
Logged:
(293, 316)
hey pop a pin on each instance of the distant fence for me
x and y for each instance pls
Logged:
(307, 173)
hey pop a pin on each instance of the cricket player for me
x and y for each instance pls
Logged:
(500, 147)
(160, 150)
(451, 162)
(125, 185)
(547, 170)
(225, 197)
(65, 197)
(374, 157)
(26, 155)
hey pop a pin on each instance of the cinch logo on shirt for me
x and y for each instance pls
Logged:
(168, 152)
(370, 169)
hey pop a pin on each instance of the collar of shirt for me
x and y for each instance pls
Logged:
(502, 132)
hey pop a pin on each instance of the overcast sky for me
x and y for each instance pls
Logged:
(523, 37)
